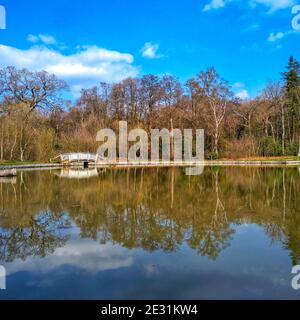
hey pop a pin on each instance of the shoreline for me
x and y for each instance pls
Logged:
(208, 163)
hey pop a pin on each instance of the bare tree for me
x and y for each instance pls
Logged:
(215, 93)
(274, 98)
(34, 89)
(150, 94)
(245, 113)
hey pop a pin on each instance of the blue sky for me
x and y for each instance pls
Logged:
(85, 42)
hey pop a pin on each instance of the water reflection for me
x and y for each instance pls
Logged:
(12, 180)
(66, 221)
(77, 173)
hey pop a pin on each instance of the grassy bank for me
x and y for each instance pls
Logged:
(286, 158)
(14, 163)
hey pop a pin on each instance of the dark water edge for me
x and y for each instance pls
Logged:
(231, 233)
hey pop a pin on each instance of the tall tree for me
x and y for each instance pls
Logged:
(33, 89)
(292, 94)
(215, 95)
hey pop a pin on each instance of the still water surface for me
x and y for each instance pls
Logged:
(150, 234)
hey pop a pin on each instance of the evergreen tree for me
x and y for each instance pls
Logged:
(292, 79)
(292, 98)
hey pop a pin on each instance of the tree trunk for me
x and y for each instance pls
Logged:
(2, 142)
(21, 141)
(299, 138)
(283, 128)
(22, 154)
(172, 140)
(13, 146)
(216, 146)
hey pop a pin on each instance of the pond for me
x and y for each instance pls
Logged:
(230, 233)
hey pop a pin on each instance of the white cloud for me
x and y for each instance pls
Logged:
(241, 92)
(88, 66)
(273, 37)
(243, 95)
(150, 51)
(273, 5)
(215, 4)
(32, 38)
(47, 39)
(43, 38)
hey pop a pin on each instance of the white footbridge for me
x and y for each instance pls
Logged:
(82, 159)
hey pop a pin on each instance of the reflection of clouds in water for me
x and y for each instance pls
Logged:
(151, 270)
(242, 229)
(84, 254)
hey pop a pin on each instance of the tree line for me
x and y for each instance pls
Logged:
(37, 123)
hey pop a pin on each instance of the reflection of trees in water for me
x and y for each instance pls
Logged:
(31, 217)
(213, 237)
(151, 209)
(39, 238)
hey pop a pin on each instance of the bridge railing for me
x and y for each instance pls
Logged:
(80, 157)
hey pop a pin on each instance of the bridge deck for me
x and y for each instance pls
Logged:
(78, 157)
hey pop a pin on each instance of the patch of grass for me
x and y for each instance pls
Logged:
(285, 158)
(13, 163)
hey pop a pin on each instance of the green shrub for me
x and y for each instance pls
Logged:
(292, 149)
(270, 148)
(213, 155)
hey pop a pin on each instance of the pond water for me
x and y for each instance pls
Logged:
(230, 233)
